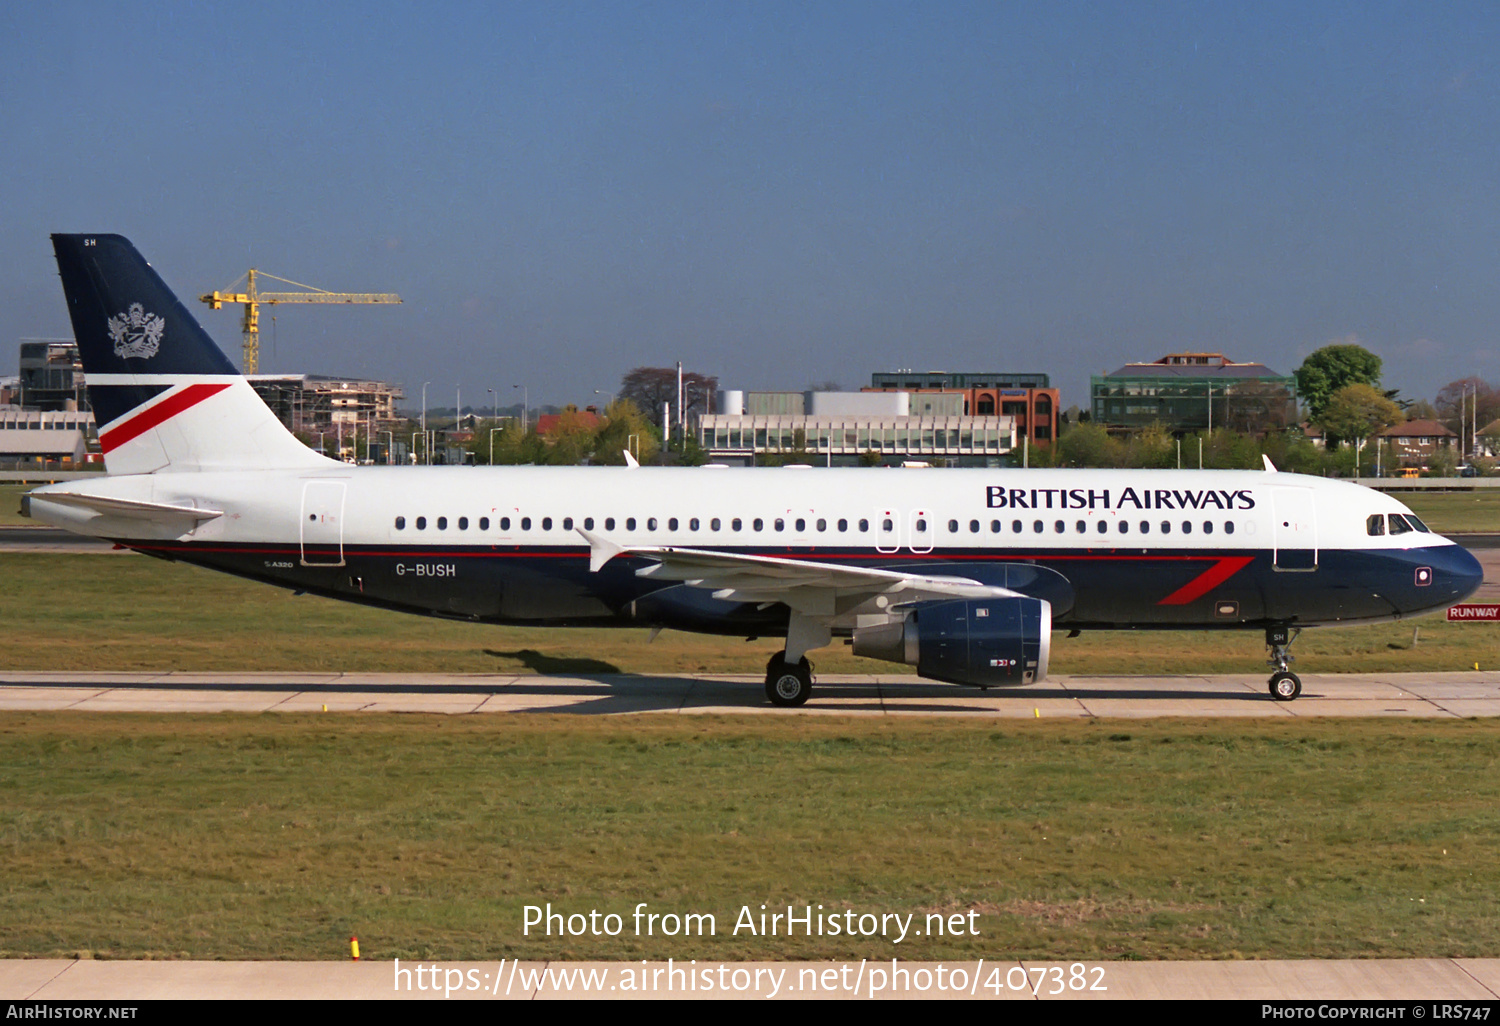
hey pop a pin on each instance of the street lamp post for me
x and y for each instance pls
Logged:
(425, 447)
(525, 407)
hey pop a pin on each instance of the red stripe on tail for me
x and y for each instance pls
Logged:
(163, 411)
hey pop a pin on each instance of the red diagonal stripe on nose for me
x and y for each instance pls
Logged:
(163, 411)
(1221, 571)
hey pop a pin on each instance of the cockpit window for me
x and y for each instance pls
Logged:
(1411, 518)
(1399, 524)
(1375, 525)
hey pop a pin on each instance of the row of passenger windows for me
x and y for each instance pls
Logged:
(1401, 523)
(887, 525)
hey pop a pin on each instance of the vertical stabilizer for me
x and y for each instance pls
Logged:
(164, 395)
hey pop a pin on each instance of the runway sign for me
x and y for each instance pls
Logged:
(1473, 611)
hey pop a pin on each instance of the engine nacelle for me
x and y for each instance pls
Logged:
(987, 642)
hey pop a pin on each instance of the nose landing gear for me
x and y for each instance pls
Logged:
(1284, 684)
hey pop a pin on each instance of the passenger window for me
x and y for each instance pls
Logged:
(567, 523)
(1229, 527)
(1124, 526)
(421, 523)
(953, 527)
(713, 525)
(442, 523)
(505, 523)
(484, 523)
(1145, 527)
(887, 526)
(758, 524)
(400, 523)
(864, 526)
(1103, 526)
(588, 523)
(1187, 527)
(1060, 527)
(973, 527)
(609, 523)
(693, 524)
(1375, 525)
(780, 524)
(525, 523)
(921, 525)
(1016, 527)
(650, 523)
(734, 525)
(843, 525)
(672, 524)
(1037, 526)
(463, 523)
(994, 527)
(630, 523)
(822, 525)
(1082, 526)
(1166, 527)
(1208, 527)
(546, 523)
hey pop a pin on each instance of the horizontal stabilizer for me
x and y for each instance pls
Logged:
(132, 508)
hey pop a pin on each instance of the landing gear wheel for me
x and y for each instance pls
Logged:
(788, 684)
(1285, 686)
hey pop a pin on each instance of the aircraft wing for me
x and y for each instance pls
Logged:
(814, 588)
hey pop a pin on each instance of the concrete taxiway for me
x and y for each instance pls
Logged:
(1441, 695)
(1426, 979)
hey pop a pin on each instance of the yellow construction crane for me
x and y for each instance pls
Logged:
(252, 298)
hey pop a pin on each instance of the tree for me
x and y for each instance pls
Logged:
(1152, 447)
(1332, 368)
(1456, 402)
(649, 387)
(627, 428)
(1357, 411)
(1089, 445)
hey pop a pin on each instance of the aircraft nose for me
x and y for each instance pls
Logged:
(1458, 571)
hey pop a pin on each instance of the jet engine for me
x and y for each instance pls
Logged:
(985, 642)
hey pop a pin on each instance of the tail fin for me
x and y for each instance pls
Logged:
(164, 395)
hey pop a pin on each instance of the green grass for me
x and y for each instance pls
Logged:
(125, 612)
(1455, 512)
(10, 504)
(280, 836)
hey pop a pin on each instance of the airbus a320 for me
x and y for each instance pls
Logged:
(963, 574)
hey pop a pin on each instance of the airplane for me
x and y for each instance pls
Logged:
(961, 573)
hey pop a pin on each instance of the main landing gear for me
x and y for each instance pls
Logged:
(788, 684)
(789, 674)
(1285, 685)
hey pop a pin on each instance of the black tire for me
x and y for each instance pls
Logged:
(1285, 686)
(788, 684)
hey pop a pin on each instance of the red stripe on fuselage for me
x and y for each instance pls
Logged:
(163, 411)
(1214, 576)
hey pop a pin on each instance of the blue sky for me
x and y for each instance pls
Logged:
(778, 194)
